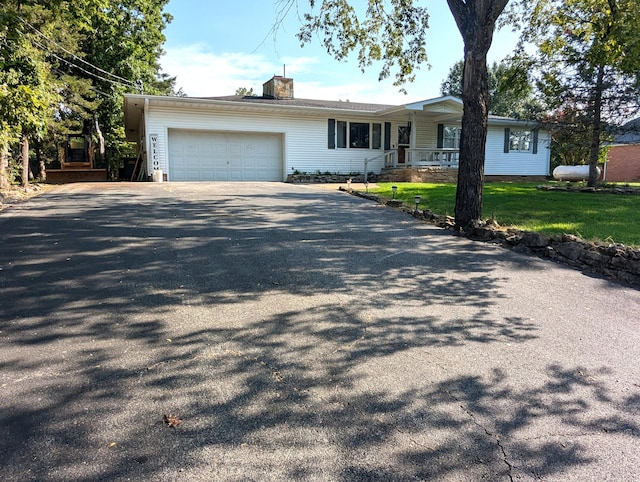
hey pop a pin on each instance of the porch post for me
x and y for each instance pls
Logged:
(414, 136)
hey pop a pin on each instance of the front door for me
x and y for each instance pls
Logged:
(404, 140)
(401, 154)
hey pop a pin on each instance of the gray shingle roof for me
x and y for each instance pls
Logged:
(628, 133)
(326, 104)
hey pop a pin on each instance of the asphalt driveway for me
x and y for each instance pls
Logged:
(299, 334)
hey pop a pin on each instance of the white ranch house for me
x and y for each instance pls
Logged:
(266, 138)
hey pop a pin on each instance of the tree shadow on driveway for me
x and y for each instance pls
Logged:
(296, 336)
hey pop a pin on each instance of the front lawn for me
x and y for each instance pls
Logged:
(591, 216)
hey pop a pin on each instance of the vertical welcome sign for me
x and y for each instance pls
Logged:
(155, 156)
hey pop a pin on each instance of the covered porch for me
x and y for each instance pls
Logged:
(426, 135)
(421, 157)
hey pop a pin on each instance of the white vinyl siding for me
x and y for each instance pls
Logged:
(305, 136)
(515, 163)
(426, 133)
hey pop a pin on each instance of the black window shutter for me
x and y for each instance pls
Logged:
(331, 139)
(387, 136)
(440, 136)
(535, 141)
(507, 139)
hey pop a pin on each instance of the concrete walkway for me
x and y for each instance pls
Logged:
(299, 334)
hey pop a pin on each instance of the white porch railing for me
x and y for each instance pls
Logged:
(390, 160)
(447, 158)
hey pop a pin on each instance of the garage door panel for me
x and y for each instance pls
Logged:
(224, 156)
(207, 175)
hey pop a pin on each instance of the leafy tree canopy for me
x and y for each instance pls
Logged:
(68, 63)
(393, 32)
(390, 32)
(589, 62)
(510, 87)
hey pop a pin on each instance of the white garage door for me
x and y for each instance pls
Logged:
(224, 156)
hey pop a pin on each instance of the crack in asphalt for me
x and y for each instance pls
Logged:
(473, 418)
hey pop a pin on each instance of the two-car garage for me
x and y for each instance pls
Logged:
(224, 156)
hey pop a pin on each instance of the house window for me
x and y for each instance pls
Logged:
(342, 134)
(359, 135)
(520, 141)
(451, 137)
(376, 139)
(354, 135)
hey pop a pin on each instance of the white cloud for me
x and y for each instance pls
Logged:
(203, 73)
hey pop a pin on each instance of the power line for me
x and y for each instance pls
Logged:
(71, 64)
(91, 87)
(133, 84)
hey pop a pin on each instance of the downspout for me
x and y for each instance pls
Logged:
(146, 134)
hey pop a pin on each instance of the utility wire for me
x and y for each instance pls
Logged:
(91, 87)
(71, 64)
(133, 84)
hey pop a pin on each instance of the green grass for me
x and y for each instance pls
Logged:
(591, 216)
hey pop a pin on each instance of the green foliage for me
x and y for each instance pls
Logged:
(510, 87)
(15, 171)
(390, 32)
(571, 140)
(27, 90)
(393, 32)
(577, 40)
(589, 62)
(243, 91)
(521, 205)
(67, 64)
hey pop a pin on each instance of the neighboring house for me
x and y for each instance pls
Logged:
(623, 160)
(266, 138)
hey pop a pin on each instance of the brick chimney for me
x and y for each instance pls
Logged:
(278, 88)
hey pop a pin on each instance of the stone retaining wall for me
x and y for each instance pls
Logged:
(329, 178)
(611, 260)
(428, 174)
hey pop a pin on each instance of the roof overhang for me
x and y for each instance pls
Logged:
(133, 114)
(441, 109)
(135, 104)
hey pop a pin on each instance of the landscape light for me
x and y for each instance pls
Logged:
(417, 200)
(393, 190)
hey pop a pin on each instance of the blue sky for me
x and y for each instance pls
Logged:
(214, 47)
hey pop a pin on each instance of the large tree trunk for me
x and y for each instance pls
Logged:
(473, 139)
(596, 130)
(476, 21)
(24, 152)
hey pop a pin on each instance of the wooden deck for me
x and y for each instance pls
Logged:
(64, 176)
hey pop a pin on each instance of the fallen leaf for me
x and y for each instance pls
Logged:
(171, 420)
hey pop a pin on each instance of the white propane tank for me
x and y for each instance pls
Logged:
(572, 173)
(157, 175)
